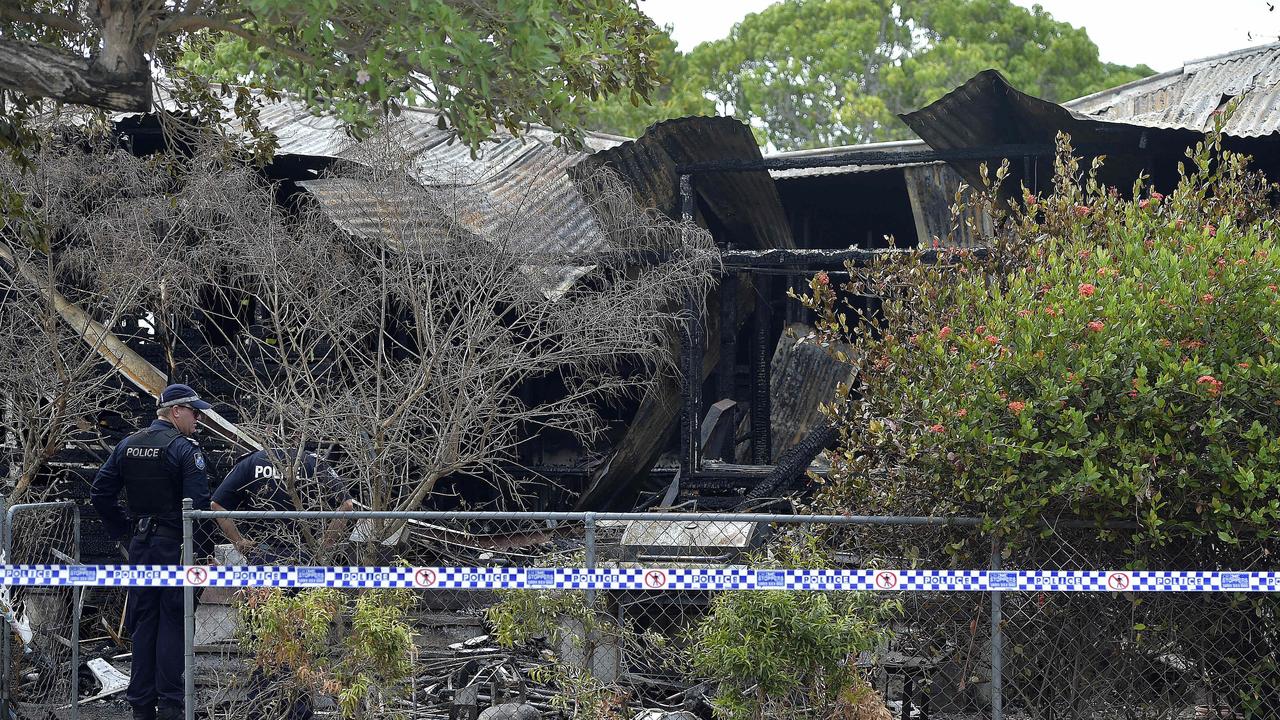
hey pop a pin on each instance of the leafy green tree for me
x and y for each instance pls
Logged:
(683, 95)
(483, 65)
(814, 73)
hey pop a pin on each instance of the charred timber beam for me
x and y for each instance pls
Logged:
(761, 358)
(726, 379)
(793, 464)
(822, 259)
(692, 357)
(891, 157)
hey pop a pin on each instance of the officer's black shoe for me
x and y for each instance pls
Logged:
(144, 712)
(169, 712)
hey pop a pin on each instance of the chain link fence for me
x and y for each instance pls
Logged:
(489, 652)
(41, 646)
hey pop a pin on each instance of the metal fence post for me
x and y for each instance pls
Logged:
(77, 595)
(590, 540)
(8, 629)
(997, 642)
(188, 617)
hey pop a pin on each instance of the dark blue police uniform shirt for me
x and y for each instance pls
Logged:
(253, 483)
(182, 453)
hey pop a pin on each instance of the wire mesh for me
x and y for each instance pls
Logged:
(492, 653)
(42, 664)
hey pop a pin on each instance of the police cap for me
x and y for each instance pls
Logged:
(182, 395)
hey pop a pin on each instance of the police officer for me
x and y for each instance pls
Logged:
(259, 482)
(157, 467)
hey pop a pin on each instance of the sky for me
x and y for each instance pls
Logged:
(1161, 33)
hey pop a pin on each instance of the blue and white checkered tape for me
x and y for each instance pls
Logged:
(477, 578)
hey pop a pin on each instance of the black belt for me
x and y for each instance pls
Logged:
(148, 526)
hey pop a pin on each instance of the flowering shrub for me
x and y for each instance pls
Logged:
(1108, 358)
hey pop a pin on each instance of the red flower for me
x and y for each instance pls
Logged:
(1133, 394)
(1206, 298)
(937, 428)
(992, 339)
(1016, 407)
(1096, 325)
(1214, 386)
(1083, 210)
(823, 279)
(1210, 229)
(1143, 204)
(980, 329)
(1242, 365)
(1272, 287)
(1031, 199)
(944, 332)
(1087, 289)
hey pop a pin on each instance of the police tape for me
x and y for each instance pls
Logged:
(502, 578)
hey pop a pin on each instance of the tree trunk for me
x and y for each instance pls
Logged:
(116, 75)
(43, 72)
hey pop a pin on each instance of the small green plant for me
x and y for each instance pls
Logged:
(779, 652)
(357, 648)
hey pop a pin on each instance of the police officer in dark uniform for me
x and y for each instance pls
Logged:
(259, 482)
(157, 467)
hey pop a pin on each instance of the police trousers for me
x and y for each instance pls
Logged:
(154, 619)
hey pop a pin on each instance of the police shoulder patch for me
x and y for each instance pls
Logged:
(199, 460)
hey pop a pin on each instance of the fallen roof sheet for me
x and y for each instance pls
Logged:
(525, 175)
(744, 207)
(987, 112)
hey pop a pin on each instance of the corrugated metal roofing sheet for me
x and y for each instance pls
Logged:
(526, 175)
(1187, 98)
(743, 208)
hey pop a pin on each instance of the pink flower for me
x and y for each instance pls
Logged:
(961, 412)
(1030, 199)
(1214, 385)
(1133, 394)
(1210, 229)
(1242, 365)
(1083, 210)
(944, 332)
(1157, 196)
(937, 428)
(1142, 204)
(1016, 407)
(980, 329)
(1024, 313)
(992, 339)
(823, 279)
(1087, 289)
(1206, 298)
(1096, 325)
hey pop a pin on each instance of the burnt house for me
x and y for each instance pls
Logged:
(743, 426)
